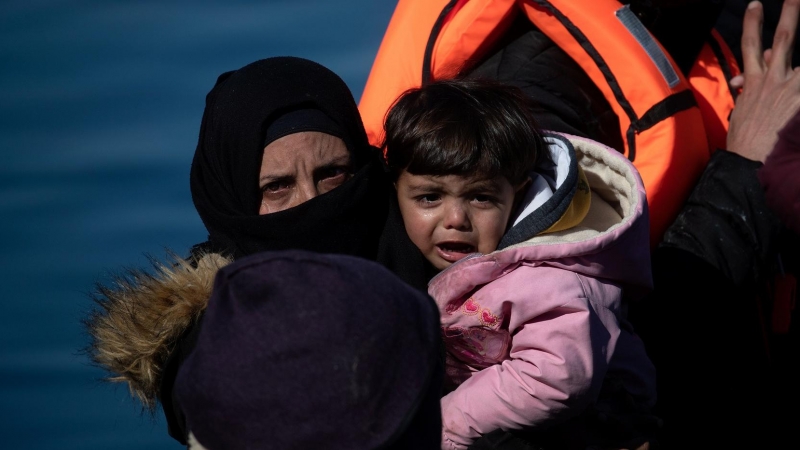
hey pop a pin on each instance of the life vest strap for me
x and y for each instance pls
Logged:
(722, 60)
(645, 39)
(662, 110)
(589, 48)
(437, 28)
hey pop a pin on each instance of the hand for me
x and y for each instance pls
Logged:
(770, 89)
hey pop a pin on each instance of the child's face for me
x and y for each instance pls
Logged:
(449, 217)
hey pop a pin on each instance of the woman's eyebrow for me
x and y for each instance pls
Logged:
(271, 178)
(342, 160)
(339, 162)
(334, 162)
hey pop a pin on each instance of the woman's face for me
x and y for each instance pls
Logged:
(299, 167)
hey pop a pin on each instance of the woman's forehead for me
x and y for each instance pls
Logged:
(309, 149)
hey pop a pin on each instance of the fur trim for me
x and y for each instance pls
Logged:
(140, 317)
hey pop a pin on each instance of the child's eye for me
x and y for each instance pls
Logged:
(427, 199)
(482, 198)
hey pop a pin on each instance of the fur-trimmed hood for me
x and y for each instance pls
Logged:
(141, 315)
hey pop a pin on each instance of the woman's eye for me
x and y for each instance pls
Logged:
(333, 177)
(333, 172)
(275, 187)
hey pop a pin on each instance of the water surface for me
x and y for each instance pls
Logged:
(100, 106)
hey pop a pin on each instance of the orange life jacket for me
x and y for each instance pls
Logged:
(670, 124)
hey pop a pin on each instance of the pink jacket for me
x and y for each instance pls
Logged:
(533, 329)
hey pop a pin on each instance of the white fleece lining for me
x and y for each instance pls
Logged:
(540, 190)
(614, 196)
(538, 193)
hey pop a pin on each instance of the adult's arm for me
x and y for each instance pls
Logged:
(770, 86)
(726, 222)
(765, 125)
(703, 324)
(779, 176)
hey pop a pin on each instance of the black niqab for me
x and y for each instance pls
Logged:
(227, 162)
(359, 218)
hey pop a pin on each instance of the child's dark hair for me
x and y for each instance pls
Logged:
(463, 127)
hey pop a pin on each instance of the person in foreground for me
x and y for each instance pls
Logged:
(302, 350)
(282, 162)
(541, 241)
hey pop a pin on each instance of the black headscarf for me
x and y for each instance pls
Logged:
(224, 175)
(300, 350)
(359, 218)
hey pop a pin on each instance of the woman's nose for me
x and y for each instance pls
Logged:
(306, 191)
(456, 217)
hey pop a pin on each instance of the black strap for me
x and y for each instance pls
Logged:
(723, 64)
(668, 107)
(437, 28)
(594, 54)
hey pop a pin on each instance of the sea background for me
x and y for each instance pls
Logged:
(100, 106)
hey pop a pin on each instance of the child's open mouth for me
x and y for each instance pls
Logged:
(453, 251)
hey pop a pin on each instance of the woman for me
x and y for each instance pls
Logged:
(282, 162)
(248, 113)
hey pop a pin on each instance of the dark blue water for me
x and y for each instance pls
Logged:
(100, 105)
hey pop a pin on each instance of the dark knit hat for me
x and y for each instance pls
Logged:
(302, 120)
(299, 350)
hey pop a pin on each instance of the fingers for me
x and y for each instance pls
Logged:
(751, 39)
(737, 81)
(783, 42)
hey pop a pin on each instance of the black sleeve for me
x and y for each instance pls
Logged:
(703, 323)
(725, 221)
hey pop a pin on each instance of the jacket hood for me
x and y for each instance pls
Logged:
(142, 314)
(558, 197)
(611, 240)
